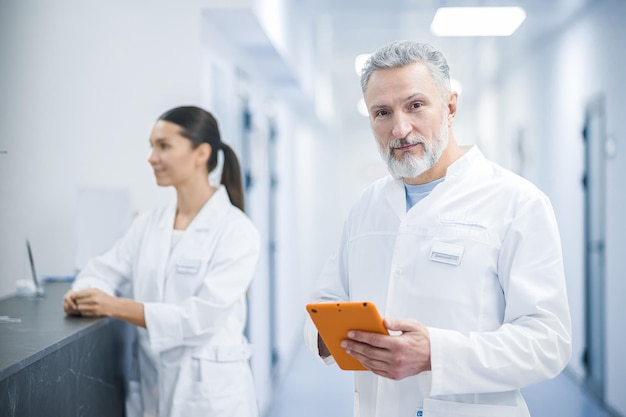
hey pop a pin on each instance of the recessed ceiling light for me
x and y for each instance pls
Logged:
(359, 61)
(362, 108)
(477, 21)
(455, 85)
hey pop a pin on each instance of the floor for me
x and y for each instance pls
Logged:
(312, 389)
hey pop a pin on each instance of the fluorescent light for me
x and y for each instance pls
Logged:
(359, 61)
(477, 21)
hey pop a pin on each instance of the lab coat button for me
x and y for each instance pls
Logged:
(399, 272)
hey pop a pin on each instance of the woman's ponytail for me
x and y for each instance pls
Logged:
(231, 177)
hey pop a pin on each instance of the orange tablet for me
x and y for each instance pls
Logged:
(333, 321)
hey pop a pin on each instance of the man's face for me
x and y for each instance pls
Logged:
(409, 122)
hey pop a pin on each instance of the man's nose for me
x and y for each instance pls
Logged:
(401, 126)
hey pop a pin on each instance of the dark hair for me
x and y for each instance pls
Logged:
(199, 126)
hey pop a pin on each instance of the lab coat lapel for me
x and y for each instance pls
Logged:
(210, 212)
(162, 244)
(395, 196)
(203, 221)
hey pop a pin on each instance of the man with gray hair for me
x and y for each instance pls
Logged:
(462, 257)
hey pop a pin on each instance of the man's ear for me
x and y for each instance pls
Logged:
(452, 102)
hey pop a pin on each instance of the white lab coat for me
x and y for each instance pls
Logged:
(193, 357)
(478, 262)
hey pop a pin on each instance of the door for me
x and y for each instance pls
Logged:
(594, 182)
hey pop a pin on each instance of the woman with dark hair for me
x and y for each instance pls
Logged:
(189, 265)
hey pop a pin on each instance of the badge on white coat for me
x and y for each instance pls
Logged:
(446, 253)
(188, 266)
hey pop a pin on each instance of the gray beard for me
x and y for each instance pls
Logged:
(410, 166)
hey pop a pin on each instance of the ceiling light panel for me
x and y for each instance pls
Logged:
(477, 21)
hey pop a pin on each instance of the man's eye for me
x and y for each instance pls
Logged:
(416, 105)
(382, 113)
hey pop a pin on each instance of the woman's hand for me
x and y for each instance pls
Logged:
(69, 304)
(92, 302)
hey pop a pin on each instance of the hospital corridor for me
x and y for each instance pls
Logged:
(311, 389)
(199, 198)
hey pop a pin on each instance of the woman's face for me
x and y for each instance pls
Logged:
(172, 157)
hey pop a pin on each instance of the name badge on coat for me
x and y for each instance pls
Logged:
(446, 253)
(188, 266)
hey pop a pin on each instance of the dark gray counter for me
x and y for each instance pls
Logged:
(55, 365)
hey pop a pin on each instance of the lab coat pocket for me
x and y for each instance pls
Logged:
(231, 387)
(439, 408)
(224, 370)
(220, 382)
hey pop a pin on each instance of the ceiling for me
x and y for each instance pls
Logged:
(361, 26)
(346, 28)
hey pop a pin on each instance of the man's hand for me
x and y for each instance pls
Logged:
(91, 302)
(322, 348)
(394, 357)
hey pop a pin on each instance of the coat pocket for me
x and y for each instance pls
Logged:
(439, 408)
(216, 382)
(222, 371)
(225, 353)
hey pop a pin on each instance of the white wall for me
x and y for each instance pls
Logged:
(82, 83)
(544, 91)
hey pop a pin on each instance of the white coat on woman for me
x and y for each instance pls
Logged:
(192, 356)
(479, 263)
